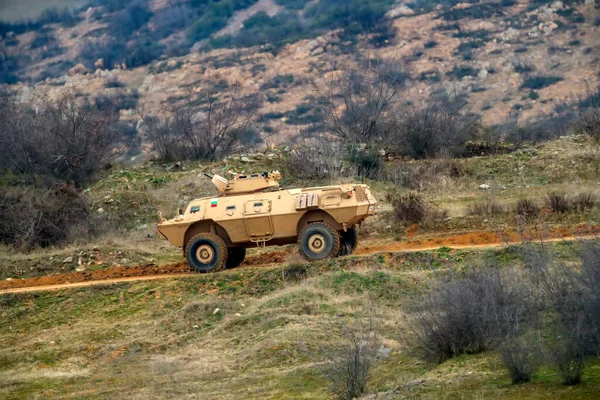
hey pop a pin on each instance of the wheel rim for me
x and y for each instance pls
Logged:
(317, 243)
(205, 254)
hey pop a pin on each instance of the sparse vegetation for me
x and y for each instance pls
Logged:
(186, 132)
(539, 82)
(558, 203)
(470, 314)
(527, 209)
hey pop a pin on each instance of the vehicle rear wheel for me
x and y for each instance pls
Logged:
(348, 242)
(206, 252)
(318, 241)
(235, 256)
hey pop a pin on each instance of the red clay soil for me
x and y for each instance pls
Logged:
(471, 239)
(479, 239)
(112, 273)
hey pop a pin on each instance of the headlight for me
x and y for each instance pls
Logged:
(371, 209)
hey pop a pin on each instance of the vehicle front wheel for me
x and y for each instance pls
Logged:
(318, 241)
(206, 252)
(235, 257)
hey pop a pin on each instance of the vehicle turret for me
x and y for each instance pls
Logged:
(242, 184)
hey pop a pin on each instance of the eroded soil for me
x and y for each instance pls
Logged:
(477, 239)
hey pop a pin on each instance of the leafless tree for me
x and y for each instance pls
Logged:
(205, 133)
(356, 101)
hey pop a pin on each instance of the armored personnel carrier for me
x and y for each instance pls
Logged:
(251, 211)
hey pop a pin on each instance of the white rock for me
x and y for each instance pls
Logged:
(68, 260)
(557, 5)
(238, 315)
(245, 159)
(484, 187)
(216, 311)
(483, 73)
(401, 11)
(81, 268)
(100, 210)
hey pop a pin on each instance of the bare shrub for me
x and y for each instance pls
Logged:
(432, 127)
(583, 201)
(526, 208)
(366, 160)
(60, 141)
(486, 207)
(409, 208)
(569, 360)
(314, 159)
(348, 366)
(520, 357)
(470, 314)
(588, 122)
(184, 131)
(354, 102)
(558, 203)
(424, 175)
(570, 297)
(37, 217)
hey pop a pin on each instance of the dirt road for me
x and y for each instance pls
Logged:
(475, 240)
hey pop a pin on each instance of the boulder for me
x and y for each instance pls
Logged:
(79, 69)
(483, 73)
(68, 260)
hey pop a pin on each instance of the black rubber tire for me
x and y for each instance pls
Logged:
(218, 247)
(348, 242)
(235, 257)
(332, 241)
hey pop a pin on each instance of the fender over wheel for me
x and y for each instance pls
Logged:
(206, 252)
(318, 241)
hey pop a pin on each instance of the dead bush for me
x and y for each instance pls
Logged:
(424, 175)
(569, 360)
(588, 122)
(571, 299)
(433, 127)
(558, 203)
(60, 141)
(348, 366)
(37, 217)
(527, 209)
(314, 159)
(486, 207)
(583, 201)
(469, 314)
(355, 102)
(409, 208)
(520, 357)
(206, 126)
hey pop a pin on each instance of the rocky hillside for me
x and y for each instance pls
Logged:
(512, 61)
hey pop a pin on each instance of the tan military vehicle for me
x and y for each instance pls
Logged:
(251, 211)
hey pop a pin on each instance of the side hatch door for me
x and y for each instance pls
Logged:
(257, 215)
